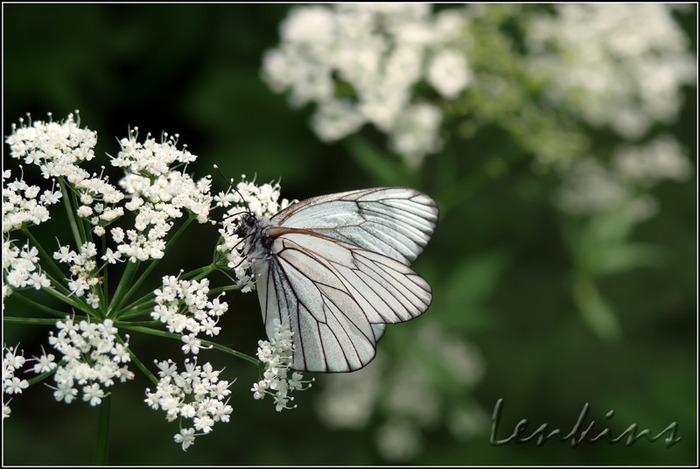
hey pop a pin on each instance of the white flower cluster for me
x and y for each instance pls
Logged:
(158, 193)
(92, 358)
(23, 205)
(55, 148)
(277, 357)
(184, 307)
(360, 63)
(21, 268)
(83, 270)
(196, 393)
(98, 199)
(12, 361)
(591, 187)
(662, 158)
(261, 200)
(621, 65)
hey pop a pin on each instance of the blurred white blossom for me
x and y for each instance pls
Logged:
(409, 396)
(590, 186)
(621, 65)
(359, 63)
(662, 158)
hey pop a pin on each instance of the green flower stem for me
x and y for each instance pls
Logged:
(70, 211)
(170, 335)
(46, 257)
(198, 273)
(139, 364)
(103, 431)
(39, 306)
(84, 231)
(227, 275)
(143, 305)
(120, 295)
(136, 323)
(104, 289)
(42, 377)
(32, 321)
(114, 307)
(80, 306)
(216, 290)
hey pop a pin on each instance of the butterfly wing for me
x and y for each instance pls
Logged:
(394, 221)
(335, 297)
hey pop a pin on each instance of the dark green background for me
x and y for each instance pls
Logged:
(194, 70)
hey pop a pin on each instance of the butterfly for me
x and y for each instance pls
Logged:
(335, 270)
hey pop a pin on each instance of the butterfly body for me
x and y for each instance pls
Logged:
(335, 270)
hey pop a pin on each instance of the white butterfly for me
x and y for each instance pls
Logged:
(334, 270)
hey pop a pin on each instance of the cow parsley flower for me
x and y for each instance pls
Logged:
(278, 379)
(159, 193)
(21, 268)
(82, 266)
(92, 359)
(56, 148)
(12, 362)
(184, 307)
(196, 394)
(24, 205)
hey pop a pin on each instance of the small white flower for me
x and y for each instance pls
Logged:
(45, 363)
(185, 437)
(277, 357)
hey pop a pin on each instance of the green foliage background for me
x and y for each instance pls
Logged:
(498, 262)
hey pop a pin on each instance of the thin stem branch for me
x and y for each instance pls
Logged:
(170, 335)
(103, 431)
(38, 305)
(70, 211)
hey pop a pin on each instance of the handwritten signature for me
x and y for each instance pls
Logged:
(578, 433)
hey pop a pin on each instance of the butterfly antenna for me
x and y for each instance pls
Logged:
(231, 186)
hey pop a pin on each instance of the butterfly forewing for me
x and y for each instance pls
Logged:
(394, 221)
(335, 271)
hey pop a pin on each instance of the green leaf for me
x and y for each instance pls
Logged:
(463, 297)
(628, 256)
(596, 311)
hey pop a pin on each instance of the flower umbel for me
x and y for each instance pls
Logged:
(277, 357)
(92, 357)
(184, 307)
(195, 395)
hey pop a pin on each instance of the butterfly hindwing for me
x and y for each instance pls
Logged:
(335, 297)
